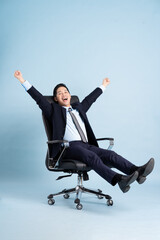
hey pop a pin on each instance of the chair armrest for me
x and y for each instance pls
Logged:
(64, 143)
(111, 142)
(57, 141)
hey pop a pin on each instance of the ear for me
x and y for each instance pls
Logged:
(55, 99)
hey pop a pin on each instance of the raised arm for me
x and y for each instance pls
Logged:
(92, 97)
(44, 105)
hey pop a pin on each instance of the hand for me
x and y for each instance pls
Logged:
(18, 75)
(106, 82)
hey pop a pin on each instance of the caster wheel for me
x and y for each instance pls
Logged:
(77, 200)
(66, 196)
(110, 202)
(99, 197)
(79, 206)
(51, 201)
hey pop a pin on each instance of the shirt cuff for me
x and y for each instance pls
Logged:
(26, 85)
(102, 88)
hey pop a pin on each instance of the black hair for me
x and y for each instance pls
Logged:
(58, 86)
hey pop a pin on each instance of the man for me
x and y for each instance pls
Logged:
(71, 123)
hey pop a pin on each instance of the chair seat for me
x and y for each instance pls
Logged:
(70, 164)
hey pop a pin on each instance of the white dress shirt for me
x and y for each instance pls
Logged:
(71, 132)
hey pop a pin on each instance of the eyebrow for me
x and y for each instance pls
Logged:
(62, 91)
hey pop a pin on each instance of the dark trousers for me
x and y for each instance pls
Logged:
(100, 160)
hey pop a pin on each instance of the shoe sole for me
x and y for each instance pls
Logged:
(141, 180)
(134, 177)
(147, 171)
(131, 180)
(149, 167)
(126, 189)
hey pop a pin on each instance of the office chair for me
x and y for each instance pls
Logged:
(70, 166)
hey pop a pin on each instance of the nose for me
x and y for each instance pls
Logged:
(63, 95)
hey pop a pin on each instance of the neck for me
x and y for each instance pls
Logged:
(67, 106)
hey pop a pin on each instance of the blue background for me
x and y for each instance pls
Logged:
(79, 43)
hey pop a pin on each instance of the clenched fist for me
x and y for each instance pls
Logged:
(18, 75)
(106, 82)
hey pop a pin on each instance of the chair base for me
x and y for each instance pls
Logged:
(79, 189)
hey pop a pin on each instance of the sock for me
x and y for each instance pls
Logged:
(133, 169)
(116, 179)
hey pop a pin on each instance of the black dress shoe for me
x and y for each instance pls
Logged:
(126, 181)
(145, 170)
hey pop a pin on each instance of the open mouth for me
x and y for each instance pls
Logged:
(65, 99)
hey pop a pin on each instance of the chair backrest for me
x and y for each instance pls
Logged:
(70, 166)
(49, 128)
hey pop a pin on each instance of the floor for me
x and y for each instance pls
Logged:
(26, 215)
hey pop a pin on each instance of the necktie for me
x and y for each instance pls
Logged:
(76, 123)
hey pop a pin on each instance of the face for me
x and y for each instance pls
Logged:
(63, 97)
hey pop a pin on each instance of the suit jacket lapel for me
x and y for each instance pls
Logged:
(78, 107)
(63, 113)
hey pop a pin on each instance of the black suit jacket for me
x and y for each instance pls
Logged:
(57, 115)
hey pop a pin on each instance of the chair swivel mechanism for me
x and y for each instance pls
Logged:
(70, 166)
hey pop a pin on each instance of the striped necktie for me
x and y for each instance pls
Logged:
(76, 123)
